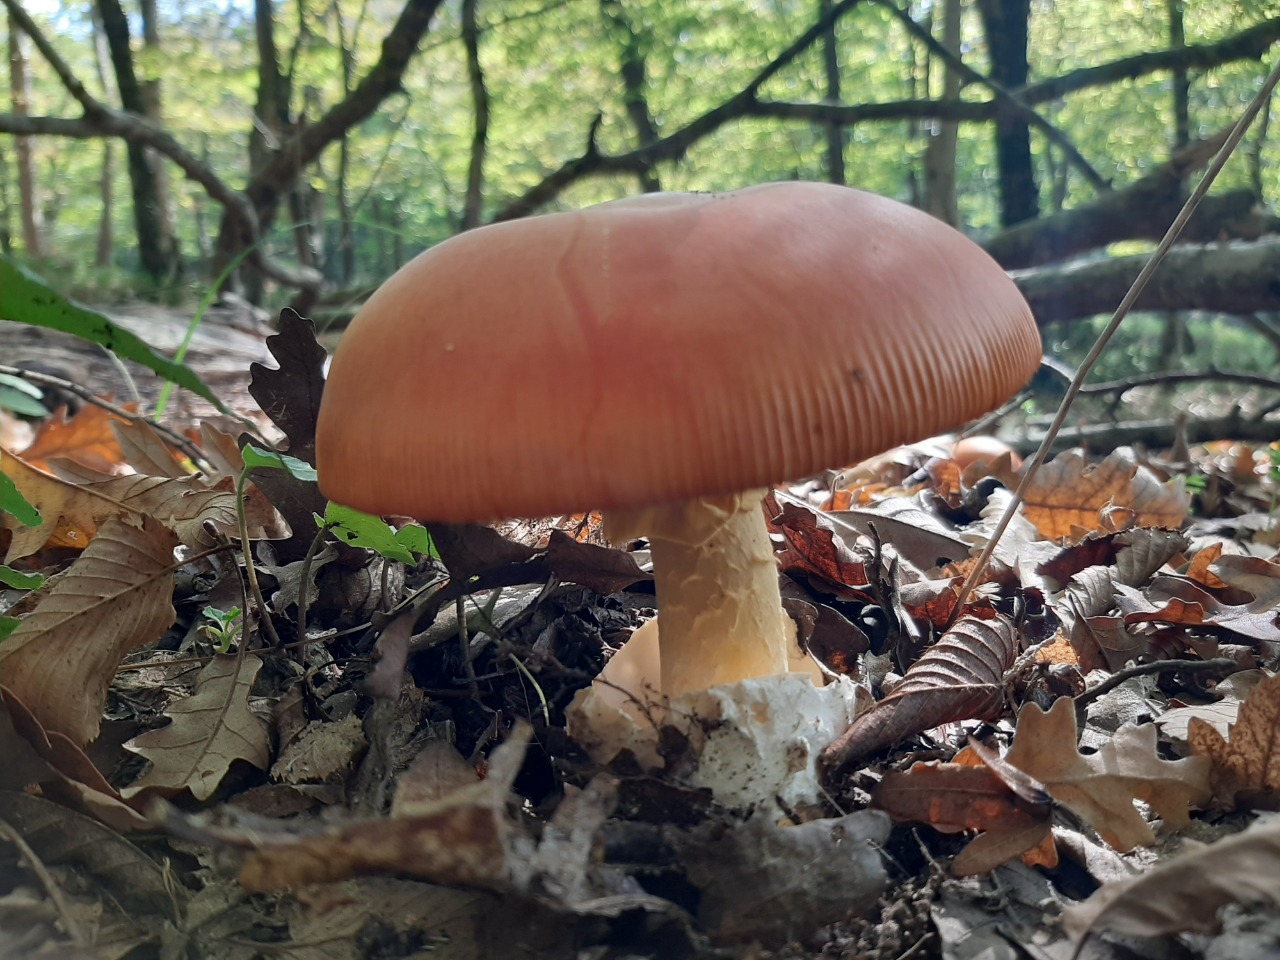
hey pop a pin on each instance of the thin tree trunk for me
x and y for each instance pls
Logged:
(473, 204)
(834, 132)
(346, 239)
(1005, 25)
(20, 95)
(940, 150)
(6, 207)
(106, 184)
(158, 259)
(632, 69)
(151, 99)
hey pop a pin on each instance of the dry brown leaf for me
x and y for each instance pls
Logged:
(952, 797)
(1066, 494)
(209, 731)
(148, 452)
(85, 438)
(69, 517)
(1186, 892)
(188, 505)
(961, 677)
(1255, 576)
(114, 598)
(1177, 601)
(1102, 787)
(1246, 763)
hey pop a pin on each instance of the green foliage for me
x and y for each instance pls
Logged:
(358, 529)
(27, 299)
(15, 504)
(224, 627)
(17, 580)
(256, 457)
(19, 397)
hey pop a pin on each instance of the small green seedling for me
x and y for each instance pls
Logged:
(224, 627)
(358, 529)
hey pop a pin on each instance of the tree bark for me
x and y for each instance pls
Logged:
(1005, 25)
(1231, 278)
(149, 89)
(473, 204)
(834, 132)
(158, 259)
(940, 151)
(633, 71)
(20, 95)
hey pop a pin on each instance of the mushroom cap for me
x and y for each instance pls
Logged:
(664, 348)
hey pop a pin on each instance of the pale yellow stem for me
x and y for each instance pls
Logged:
(720, 613)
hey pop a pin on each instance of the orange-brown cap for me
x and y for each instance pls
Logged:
(662, 348)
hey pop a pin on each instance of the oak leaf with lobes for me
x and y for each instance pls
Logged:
(1103, 788)
(1246, 763)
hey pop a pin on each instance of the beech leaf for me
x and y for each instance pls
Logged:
(961, 677)
(114, 598)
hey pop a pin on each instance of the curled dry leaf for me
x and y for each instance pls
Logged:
(961, 677)
(1103, 787)
(1180, 602)
(1245, 763)
(1187, 891)
(1067, 494)
(113, 599)
(208, 731)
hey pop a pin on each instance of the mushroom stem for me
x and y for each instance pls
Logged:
(720, 612)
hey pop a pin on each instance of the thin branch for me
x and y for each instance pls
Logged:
(1120, 387)
(480, 134)
(673, 147)
(1016, 104)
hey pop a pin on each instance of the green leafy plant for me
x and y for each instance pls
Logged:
(224, 627)
(25, 298)
(358, 529)
(22, 398)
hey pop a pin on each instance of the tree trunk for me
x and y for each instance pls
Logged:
(834, 132)
(150, 92)
(6, 208)
(473, 205)
(20, 94)
(1005, 24)
(106, 183)
(158, 259)
(940, 151)
(632, 70)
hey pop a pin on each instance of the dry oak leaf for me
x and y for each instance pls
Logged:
(1187, 891)
(1102, 788)
(209, 731)
(86, 439)
(1067, 494)
(961, 677)
(1246, 763)
(114, 598)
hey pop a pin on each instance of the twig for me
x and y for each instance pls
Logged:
(1156, 666)
(177, 439)
(1179, 222)
(1168, 379)
(1003, 93)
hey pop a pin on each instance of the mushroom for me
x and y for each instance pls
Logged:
(664, 359)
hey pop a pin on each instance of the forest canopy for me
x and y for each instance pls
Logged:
(325, 142)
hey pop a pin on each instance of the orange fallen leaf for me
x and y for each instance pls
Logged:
(85, 438)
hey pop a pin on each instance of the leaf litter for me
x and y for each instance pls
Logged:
(397, 772)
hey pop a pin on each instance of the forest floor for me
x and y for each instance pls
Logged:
(375, 763)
